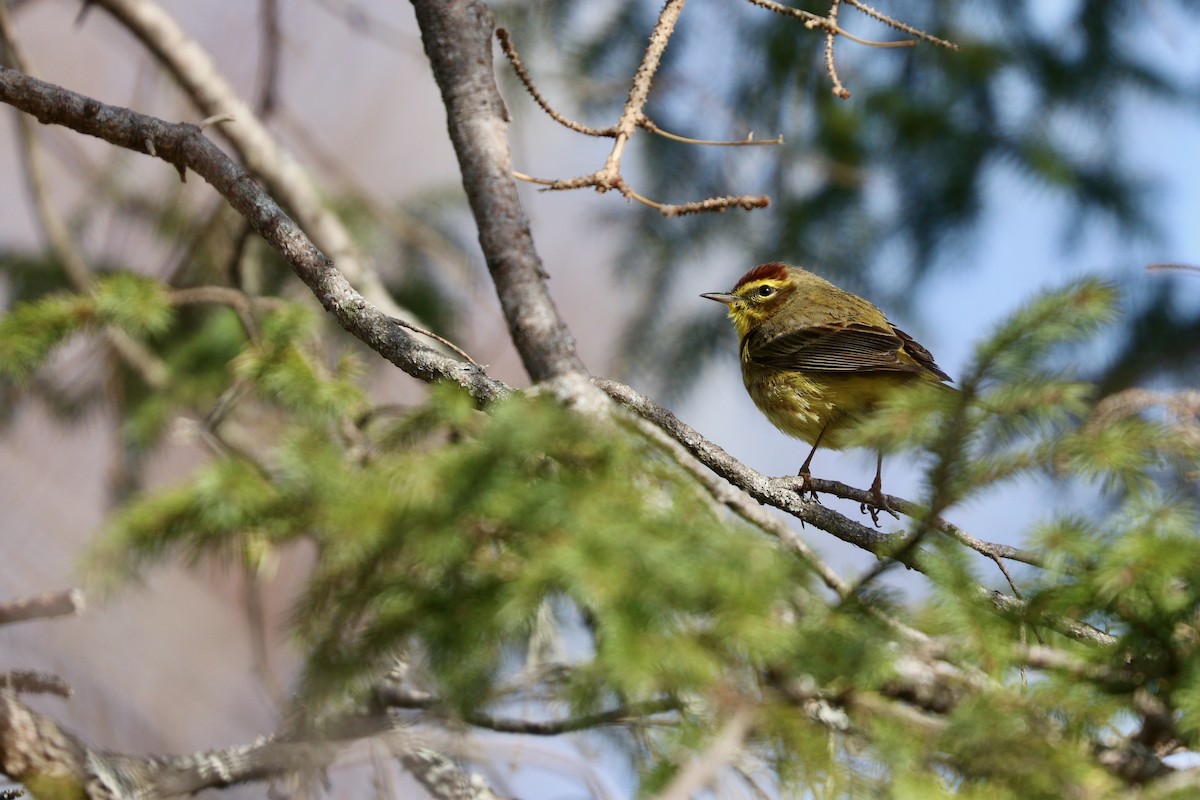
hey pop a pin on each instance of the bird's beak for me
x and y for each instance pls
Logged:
(721, 297)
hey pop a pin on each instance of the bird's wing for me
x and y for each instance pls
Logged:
(921, 355)
(837, 348)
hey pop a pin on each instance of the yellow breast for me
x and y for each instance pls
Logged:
(803, 404)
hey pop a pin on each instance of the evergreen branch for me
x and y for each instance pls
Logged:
(782, 494)
(761, 487)
(185, 147)
(737, 500)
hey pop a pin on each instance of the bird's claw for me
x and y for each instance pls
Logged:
(879, 503)
(805, 479)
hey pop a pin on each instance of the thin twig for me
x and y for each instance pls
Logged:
(270, 52)
(633, 116)
(891, 22)
(748, 202)
(830, 66)
(42, 606)
(647, 125)
(1166, 266)
(829, 24)
(25, 681)
(510, 52)
(439, 339)
(700, 770)
(910, 509)
(389, 696)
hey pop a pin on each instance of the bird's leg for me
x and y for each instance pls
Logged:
(804, 475)
(881, 503)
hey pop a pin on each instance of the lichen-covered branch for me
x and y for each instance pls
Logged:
(52, 762)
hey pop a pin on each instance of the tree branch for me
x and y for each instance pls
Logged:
(186, 147)
(36, 751)
(458, 40)
(43, 606)
(195, 72)
(387, 695)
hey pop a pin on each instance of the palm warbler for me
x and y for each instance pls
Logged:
(815, 357)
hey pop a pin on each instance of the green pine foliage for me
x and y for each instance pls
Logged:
(445, 534)
(31, 330)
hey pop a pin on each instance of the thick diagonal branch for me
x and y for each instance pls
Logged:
(212, 94)
(186, 147)
(458, 40)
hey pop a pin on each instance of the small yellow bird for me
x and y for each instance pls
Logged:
(815, 357)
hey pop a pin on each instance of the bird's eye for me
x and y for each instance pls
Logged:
(765, 291)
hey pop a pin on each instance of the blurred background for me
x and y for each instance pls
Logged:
(1060, 141)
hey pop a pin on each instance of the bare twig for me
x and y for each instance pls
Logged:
(25, 681)
(1169, 266)
(700, 771)
(989, 549)
(650, 127)
(269, 55)
(830, 66)
(510, 52)
(633, 116)
(43, 606)
(745, 201)
(391, 696)
(438, 773)
(892, 22)
(829, 24)
(34, 749)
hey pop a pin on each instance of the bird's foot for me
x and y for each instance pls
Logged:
(805, 484)
(878, 503)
